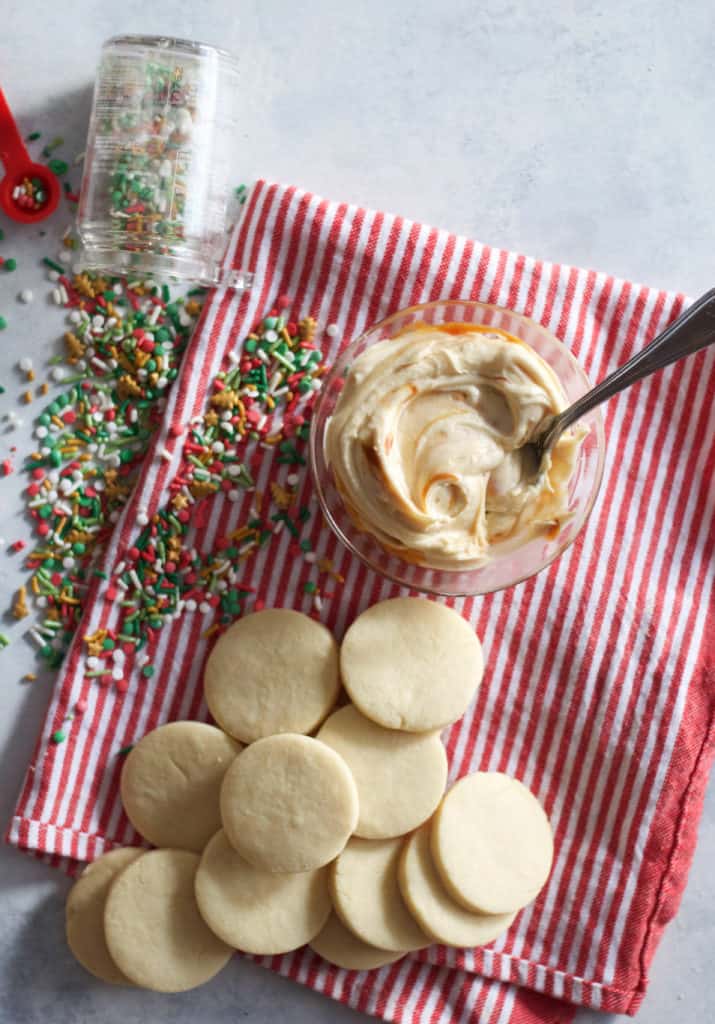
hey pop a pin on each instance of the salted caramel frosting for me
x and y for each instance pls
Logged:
(424, 440)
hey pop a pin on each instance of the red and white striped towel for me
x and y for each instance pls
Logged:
(599, 686)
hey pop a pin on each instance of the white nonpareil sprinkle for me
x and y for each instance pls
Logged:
(332, 330)
(25, 364)
(26, 295)
(292, 479)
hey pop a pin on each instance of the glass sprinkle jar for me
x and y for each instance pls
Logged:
(160, 168)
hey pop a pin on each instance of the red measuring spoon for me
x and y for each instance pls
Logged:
(19, 168)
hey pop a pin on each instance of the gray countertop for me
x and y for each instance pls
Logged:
(580, 132)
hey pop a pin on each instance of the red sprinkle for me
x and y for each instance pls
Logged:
(18, 545)
(81, 706)
(7, 467)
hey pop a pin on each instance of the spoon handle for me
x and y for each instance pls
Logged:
(694, 329)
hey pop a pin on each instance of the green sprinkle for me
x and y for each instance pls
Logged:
(33, 136)
(305, 545)
(58, 167)
(54, 266)
(148, 671)
(309, 587)
(123, 751)
(4, 640)
(3, 325)
(10, 264)
(59, 736)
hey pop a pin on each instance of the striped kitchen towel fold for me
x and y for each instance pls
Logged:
(599, 687)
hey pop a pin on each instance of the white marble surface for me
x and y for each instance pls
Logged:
(578, 131)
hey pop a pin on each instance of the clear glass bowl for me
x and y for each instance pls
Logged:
(506, 568)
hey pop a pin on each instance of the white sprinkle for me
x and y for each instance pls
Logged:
(234, 495)
(41, 432)
(165, 454)
(64, 256)
(143, 517)
(332, 330)
(204, 607)
(25, 364)
(191, 605)
(117, 673)
(57, 296)
(58, 373)
(41, 601)
(234, 357)
(270, 336)
(310, 556)
(118, 656)
(26, 295)
(53, 275)
(143, 659)
(218, 447)
(63, 294)
(68, 563)
(318, 603)
(292, 479)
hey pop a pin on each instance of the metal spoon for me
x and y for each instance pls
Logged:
(693, 330)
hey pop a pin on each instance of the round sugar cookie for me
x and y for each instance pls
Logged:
(273, 671)
(400, 776)
(155, 933)
(84, 914)
(367, 897)
(259, 911)
(409, 663)
(337, 944)
(431, 905)
(492, 843)
(171, 781)
(289, 803)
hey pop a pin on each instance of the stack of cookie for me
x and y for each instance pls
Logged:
(297, 823)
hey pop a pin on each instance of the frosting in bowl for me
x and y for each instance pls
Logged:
(423, 444)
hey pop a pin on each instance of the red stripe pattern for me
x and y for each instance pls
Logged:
(599, 686)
